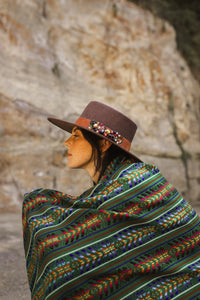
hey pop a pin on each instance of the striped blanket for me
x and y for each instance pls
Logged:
(132, 236)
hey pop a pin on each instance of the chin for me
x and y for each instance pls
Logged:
(71, 166)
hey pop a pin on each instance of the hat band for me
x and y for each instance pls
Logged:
(103, 130)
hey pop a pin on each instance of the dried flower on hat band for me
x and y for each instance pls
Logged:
(99, 111)
(100, 128)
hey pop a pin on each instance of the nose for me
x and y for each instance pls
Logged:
(67, 142)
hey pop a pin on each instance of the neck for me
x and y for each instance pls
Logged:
(95, 177)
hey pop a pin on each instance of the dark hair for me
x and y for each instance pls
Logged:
(111, 153)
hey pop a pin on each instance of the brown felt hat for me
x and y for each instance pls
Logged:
(104, 121)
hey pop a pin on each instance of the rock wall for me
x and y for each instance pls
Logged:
(56, 56)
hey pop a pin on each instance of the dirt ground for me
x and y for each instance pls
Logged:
(13, 278)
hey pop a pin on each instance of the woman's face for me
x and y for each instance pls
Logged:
(79, 152)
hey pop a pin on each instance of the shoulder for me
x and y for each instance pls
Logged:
(138, 169)
(140, 175)
(131, 173)
(121, 168)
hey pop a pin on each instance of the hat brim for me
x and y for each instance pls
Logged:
(68, 126)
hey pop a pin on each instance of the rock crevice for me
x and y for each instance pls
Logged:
(56, 56)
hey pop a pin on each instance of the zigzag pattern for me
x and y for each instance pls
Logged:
(132, 236)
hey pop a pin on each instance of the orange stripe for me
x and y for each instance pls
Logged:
(85, 123)
(121, 260)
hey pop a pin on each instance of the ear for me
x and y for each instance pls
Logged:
(104, 145)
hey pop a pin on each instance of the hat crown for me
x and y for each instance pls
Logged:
(111, 118)
(106, 122)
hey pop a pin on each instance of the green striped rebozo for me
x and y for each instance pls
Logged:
(132, 236)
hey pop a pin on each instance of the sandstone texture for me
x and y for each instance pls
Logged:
(56, 56)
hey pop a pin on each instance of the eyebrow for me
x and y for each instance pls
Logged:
(75, 129)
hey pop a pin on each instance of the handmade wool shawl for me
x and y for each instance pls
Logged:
(131, 236)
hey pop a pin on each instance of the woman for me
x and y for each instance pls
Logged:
(130, 236)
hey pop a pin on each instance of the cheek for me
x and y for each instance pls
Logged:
(81, 155)
(86, 152)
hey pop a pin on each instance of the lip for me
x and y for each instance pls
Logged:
(69, 154)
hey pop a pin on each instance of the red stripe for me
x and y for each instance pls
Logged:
(142, 187)
(79, 244)
(70, 285)
(192, 293)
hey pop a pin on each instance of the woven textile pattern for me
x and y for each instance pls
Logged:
(132, 236)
